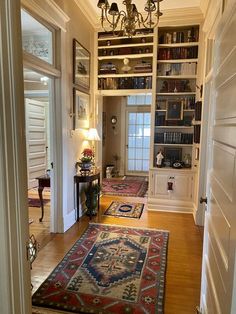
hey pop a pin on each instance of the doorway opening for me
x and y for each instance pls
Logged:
(37, 92)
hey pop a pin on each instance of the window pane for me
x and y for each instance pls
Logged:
(132, 130)
(145, 153)
(139, 142)
(138, 165)
(131, 142)
(131, 153)
(146, 131)
(139, 118)
(146, 142)
(36, 38)
(139, 153)
(145, 165)
(131, 165)
(132, 118)
(139, 130)
(147, 118)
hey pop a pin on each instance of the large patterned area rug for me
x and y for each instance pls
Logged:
(125, 209)
(110, 270)
(124, 187)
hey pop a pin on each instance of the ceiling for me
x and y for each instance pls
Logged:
(165, 4)
(90, 9)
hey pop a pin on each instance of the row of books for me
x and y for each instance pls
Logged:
(125, 83)
(175, 86)
(178, 53)
(168, 69)
(173, 138)
(197, 134)
(110, 68)
(198, 111)
(124, 51)
(183, 36)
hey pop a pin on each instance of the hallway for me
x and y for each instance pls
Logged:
(184, 252)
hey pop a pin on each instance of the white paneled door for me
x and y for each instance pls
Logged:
(36, 139)
(138, 142)
(218, 294)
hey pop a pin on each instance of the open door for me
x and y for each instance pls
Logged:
(218, 273)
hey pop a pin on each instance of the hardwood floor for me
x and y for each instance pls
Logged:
(184, 252)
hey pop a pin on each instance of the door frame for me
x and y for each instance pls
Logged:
(134, 109)
(15, 292)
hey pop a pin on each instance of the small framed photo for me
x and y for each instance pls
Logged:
(174, 110)
(80, 109)
(173, 154)
(81, 67)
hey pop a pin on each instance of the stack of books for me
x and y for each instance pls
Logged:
(108, 68)
(143, 67)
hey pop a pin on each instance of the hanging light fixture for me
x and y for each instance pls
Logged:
(128, 21)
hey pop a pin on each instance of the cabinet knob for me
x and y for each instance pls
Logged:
(203, 200)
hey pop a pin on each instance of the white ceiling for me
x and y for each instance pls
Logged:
(165, 4)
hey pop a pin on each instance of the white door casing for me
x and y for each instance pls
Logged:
(36, 139)
(219, 271)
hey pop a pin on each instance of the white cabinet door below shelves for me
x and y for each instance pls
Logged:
(182, 187)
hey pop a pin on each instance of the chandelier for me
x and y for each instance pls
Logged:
(128, 21)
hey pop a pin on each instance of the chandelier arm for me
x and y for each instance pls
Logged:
(108, 20)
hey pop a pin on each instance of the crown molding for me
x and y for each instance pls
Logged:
(192, 15)
(204, 4)
(49, 11)
(88, 12)
(212, 14)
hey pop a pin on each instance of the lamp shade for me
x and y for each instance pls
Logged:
(93, 135)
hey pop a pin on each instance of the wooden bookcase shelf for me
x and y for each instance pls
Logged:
(125, 63)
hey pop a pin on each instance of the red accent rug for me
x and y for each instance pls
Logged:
(110, 269)
(35, 202)
(125, 209)
(124, 187)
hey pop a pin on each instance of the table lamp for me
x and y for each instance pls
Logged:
(93, 136)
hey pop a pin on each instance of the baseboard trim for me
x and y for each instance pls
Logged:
(69, 220)
(175, 206)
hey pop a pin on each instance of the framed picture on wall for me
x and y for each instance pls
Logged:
(80, 109)
(81, 67)
(174, 110)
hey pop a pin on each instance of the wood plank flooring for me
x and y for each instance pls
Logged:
(184, 252)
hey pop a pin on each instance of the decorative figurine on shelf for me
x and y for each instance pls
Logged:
(159, 159)
(126, 68)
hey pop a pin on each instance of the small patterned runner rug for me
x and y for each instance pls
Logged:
(124, 187)
(125, 209)
(110, 270)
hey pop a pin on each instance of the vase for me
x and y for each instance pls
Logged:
(85, 167)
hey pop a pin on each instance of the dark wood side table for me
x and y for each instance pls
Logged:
(43, 181)
(89, 178)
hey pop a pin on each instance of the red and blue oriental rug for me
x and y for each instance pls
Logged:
(110, 269)
(124, 187)
(125, 209)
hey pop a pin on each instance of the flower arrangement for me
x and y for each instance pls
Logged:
(87, 155)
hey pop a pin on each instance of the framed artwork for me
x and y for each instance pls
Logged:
(174, 110)
(172, 154)
(80, 109)
(81, 67)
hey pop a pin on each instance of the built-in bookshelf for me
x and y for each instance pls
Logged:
(125, 63)
(176, 128)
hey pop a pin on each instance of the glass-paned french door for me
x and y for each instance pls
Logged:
(138, 141)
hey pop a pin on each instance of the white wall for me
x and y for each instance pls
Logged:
(73, 141)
